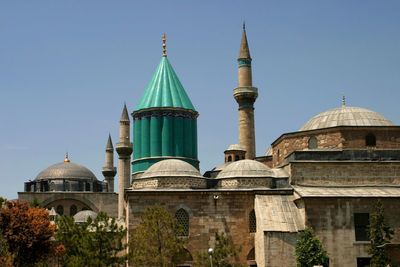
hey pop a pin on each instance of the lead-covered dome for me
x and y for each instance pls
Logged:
(171, 168)
(245, 168)
(346, 116)
(66, 170)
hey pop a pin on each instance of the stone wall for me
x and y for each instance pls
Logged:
(333, 222)
(345, 173)
(278, 249)
(209, 212)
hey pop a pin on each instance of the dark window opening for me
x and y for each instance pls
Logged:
(237, 158)
(87, 187)
(60, 210)
(370, 140)
(251, 255)
(312, 142)
(363, 262)
(252, 222)
(73, 210)
(361, 222)
(183, 219)
(229, 158)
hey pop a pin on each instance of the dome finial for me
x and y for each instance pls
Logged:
(66, 157)
(244, 25)
(164, 45)
(343, 101)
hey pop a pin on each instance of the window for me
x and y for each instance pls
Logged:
(251, 255)
(60, 210)
(312, 142)
(87, 187)
(252, 222)
(72, 210)
(236, 158)
(183, 219)
(361, 222)
(370, 140)
(279, 156)
(363, 262)
(229, 158)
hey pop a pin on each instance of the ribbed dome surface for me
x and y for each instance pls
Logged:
(66, 170)
(245, 168)
(346, 116)
(164, 90)
(171, 168)
(84, 215)
(235, 147)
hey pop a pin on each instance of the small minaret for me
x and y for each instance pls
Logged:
(245, 95)
(109, 170)
(124, 150)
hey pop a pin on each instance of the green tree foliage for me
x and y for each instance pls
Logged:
(158, 239)
(36, 203)
(224, 255)
(379, 233)
(97, 242)
(309, 250)
(26, 233)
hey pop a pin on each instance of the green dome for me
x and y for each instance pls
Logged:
(164, 90)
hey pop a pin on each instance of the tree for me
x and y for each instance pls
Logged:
(36, 203)
(224, 254)
(97, 242)
(309, 250)
(26, 232)
(158, 239)
(379, 233)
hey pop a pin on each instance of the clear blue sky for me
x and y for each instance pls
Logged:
(67, 67)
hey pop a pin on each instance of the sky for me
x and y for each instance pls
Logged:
(68, 67)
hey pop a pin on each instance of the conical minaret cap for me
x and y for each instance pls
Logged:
(109, 146)
(244, 52)
(124, 116)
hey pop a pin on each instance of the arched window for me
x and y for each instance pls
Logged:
(312, 143)
(279, 156)
(72, 210)
(251, 256)
(229, 158)
(237, 158)
(252, 222)
(87, 187)
(183, 219)
(60, 210)
(370, 140)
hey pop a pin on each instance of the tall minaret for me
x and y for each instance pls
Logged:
(245, 95)
(109, 170)
(124, 150)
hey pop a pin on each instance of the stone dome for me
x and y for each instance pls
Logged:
(66, 170)
(171, 168)
(235, 147)
(245, 168)
(84, 215)
(346, 116)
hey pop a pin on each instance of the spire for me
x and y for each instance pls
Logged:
(66, 158)
(124, 116)
(109, 146)
(164, 39)
(343, 101)
(244, 47)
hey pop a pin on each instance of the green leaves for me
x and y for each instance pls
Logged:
(309, 250)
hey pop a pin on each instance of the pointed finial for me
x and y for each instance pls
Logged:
(109, 146)
(343, 101)
(66, 157)
(124, 116)
(164, 45)
(244, 52)
(244, 25)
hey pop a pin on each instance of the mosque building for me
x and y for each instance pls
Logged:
(327, 175)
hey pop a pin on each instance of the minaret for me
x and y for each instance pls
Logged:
(245, 95)
(109, 170)
(124, 150)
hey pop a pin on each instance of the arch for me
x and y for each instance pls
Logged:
(60, 210)
(237, 158)
(252, 222)
(251, 256)
(370, 140)
(73, 210)
(56, 197)
(183, 257)
(229, 158)
(183, 219)
(312, 142)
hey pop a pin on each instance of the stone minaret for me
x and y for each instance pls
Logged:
(124, 150)
(245, 95)
(109, 170)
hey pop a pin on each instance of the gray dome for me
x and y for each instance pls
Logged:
(346, 116)
(171, 168)
(245, 168)
(235, 147)
(84, 215)
(66, 170)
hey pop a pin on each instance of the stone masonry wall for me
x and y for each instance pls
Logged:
(208, 215)
(332, 219)
(345, 173)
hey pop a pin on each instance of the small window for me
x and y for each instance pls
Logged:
(251, 256)
(87, 187)
(237, 158)
(312, 142)
(229, 158)
(279, 156)
(252, 222)
(370, 140)
(363, 262)
(72, 210)
(60, 210)
(361, 222)
(183, 219)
